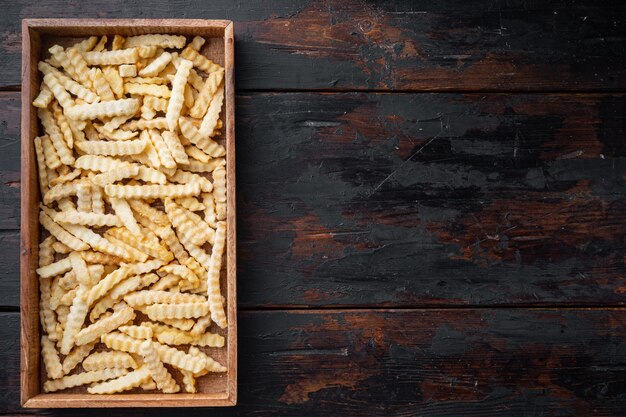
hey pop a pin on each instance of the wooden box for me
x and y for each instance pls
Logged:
(37, 35)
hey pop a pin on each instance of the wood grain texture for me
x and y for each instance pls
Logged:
(517, 199)
(213, 390)
(432, 363)
(400, 44)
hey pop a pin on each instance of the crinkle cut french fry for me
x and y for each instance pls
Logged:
(109, 360)
(129, 147)
(75, 320)
(41, 166)
(83, 195)
(60, 191)
(51, 158)
(80, 268)
(63, 125)
(76, 356)
(156, 66)
(177, 311)
(203, 142)
(209, 209)
(123, 383)
(71, 381)
(167, 282)
(112, 75)
(119, 174)
(121, 56)
(91, 256)
(199, 61)
(87, 219)
(152, 248)
(210, 340)
(148, 80)
(53, 131)
(46, 315)
(164, 41)
(97, 203)
(197, 42)
(55, 268)
(121, 107)
(94, 331)
(147, 297)
(116, 134)
(121, 342)
(138, 332)
(51, 360)
(177, 96)
(152, 191)
(130, 284)
(208, 91)
(156, 103)
(215, 297)
(156, 123)
(44, 98)
(219, 192)
(209, 122)
(161, 376)
(180, 359)
(168, 335)
(189, 381)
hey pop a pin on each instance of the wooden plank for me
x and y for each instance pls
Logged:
(408, 45)
(518, 199)
(425, 363)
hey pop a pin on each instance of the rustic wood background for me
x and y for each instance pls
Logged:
(431, 207)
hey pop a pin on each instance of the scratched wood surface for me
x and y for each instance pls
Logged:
(475, 363)
(463, 157)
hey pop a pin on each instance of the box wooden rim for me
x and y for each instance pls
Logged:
(29, 235)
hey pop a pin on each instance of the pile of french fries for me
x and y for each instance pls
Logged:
(133, 186)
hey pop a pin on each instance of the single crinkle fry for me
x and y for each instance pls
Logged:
(157, 123)
(51, 360)
(196, 153)
(170, 335)
(101, 85)
(116, 134)
(178, 88)
(129, 285)
(177, 311)
(112, 75)
(94, 257)
(83, 196)
(153, 248)
(219, 192)
(190, 203)
(123, 383)
(175, 147)
(87, 219)
(184, 177)
(156, 66)
(51, 159)
(147, 297)
(109, 360)
(79, 66)
(135, 254)
(161, 376)
(215, 297)
(201, 325)
(44, 98)
(183, 225)
(150, 212)
(152, 191)
(94, 331)
(63, 97)
(199, 61)
(108, 282)
(41, 165)
(148, 80)
(121, 342)
(122, 56)
(138, 332)
(164, 41)
(161, 147)
(210, 340)
(129, 147)
(63, 125)
(75, 320)
(180, 359)
(121, 107)
(54, 269)
(116, 175)
(70, 176)
(79, 268)
(209, 122)
(84, 378)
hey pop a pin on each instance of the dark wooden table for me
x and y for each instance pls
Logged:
(431, 205)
